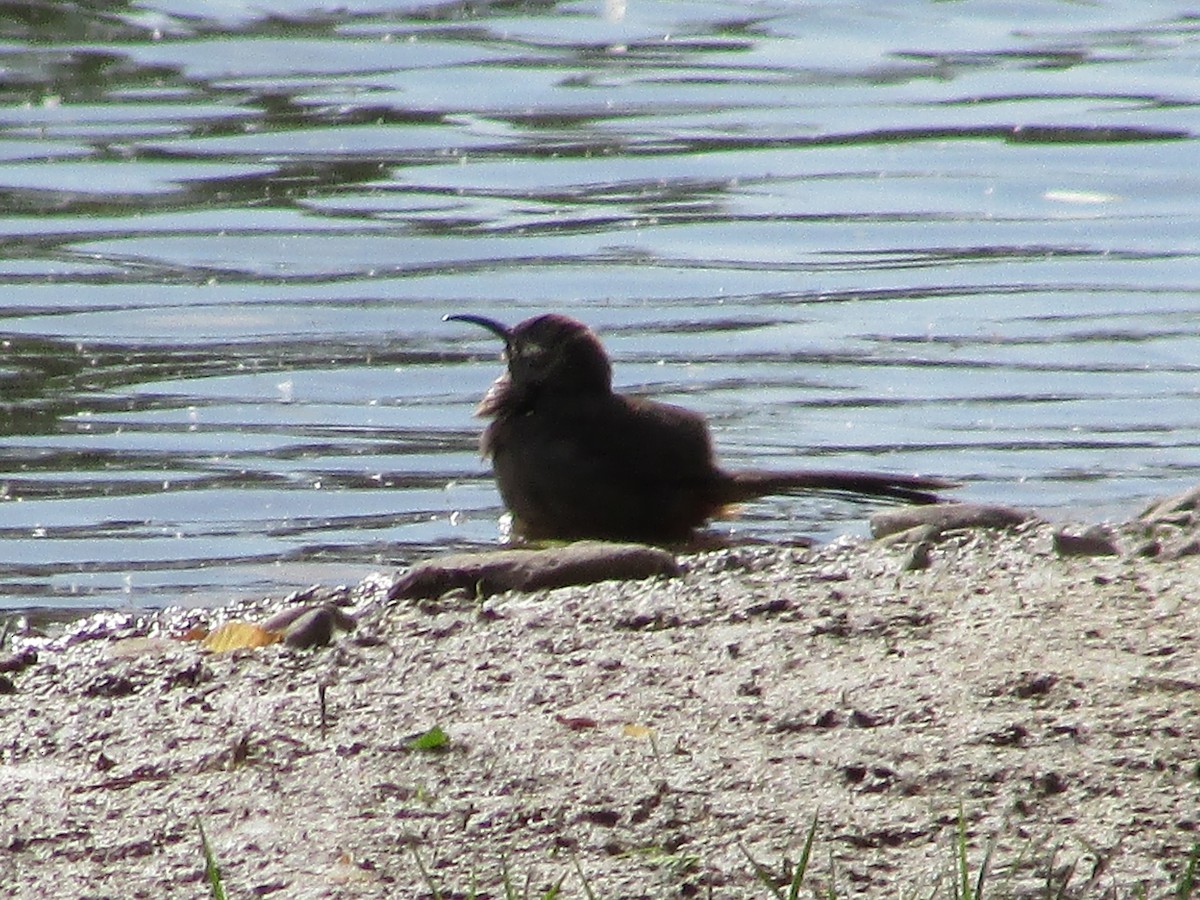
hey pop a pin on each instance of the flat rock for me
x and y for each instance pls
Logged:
(484, 574)
(1180, 506)
(941, 517)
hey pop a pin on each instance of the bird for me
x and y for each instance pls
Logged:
(574, 460)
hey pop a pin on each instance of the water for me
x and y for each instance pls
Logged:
(959, 239)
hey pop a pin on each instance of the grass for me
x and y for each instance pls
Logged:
(790, 874)
(787, 880)
(966, 887)
(212, 872)
(1187, 880)
(511, 889)
(960, 881)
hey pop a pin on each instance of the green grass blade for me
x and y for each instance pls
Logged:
(802, 865)
(510, 890)
(212, 872)
(1187, 879)
(762, 873)
(553, 892)
(984, 868)
(433, 888)
(587, 888)
(964, 890)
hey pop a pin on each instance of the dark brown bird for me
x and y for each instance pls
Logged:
(574, 460)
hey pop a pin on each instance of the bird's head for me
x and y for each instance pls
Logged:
(546, 354)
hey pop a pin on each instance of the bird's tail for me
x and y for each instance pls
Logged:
(750, 483)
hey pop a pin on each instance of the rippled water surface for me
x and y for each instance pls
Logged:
(954, 238)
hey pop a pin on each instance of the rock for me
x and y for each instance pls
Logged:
(1096, 541)
(1179, 508)
(15, 662)
(1189, 547)
(109, 685)
(484, 574)
(315, 628)
(929, 522)
(309, 624)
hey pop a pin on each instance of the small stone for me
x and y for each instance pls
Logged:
(605, 818)
(1013, 735)
(313, 629)
(1093, 542)
(854, 774)
(15, 662)
(827, 719)
(1148, 549)
(860, 719)
(309, 625)
(1035, 685)
(1050, 783)
(109, 685)
(769, 607)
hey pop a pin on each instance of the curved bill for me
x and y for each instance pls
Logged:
(491, 325)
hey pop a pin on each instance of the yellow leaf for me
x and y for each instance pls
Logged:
(637, 731)
(238, 635)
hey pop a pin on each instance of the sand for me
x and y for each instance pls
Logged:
(639, 738)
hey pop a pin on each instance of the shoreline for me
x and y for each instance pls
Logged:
(643, 738)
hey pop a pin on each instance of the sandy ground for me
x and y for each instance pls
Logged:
(639, 738)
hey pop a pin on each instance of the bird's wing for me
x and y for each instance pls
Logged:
(652, 441)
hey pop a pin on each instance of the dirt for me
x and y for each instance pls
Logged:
(640, 738)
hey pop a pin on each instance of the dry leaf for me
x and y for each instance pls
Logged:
(239, 635)
(636, 731)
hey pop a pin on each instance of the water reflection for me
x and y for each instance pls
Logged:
(927, 238)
